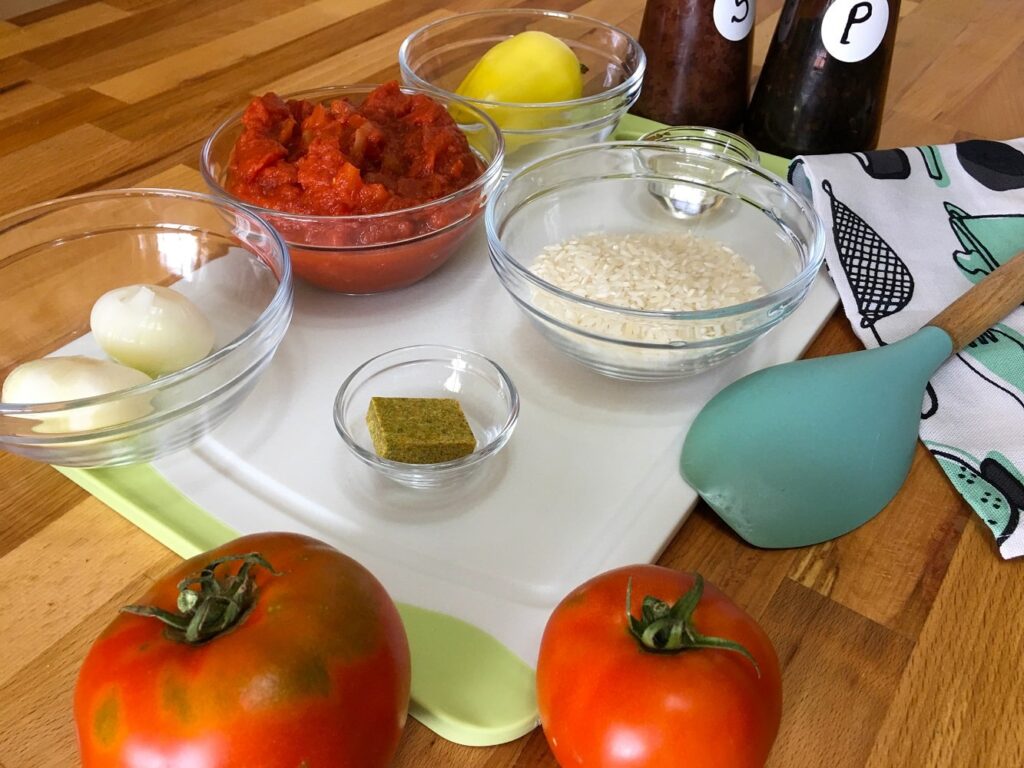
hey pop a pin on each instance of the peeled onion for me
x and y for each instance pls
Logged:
(151, 328)
(55, 379)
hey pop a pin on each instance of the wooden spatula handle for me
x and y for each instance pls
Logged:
(984, 305)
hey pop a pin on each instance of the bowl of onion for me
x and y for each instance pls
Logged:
(134, 321)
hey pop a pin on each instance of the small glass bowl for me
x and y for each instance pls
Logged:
(377, 252)
(711, 139)
(620, 188)
(438, 56)
(486, 393)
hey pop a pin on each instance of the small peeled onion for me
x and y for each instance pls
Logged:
(55, 379)
(151, 328)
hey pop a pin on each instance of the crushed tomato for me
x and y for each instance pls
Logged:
(394, 151)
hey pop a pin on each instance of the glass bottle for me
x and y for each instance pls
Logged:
(822, 88)
(698, 61)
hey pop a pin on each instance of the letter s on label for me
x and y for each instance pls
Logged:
(734, 18)
(853, 29)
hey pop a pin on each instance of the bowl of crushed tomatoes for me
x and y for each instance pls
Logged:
(372, 187)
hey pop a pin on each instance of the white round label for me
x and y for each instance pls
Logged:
(734, 18)
(853, 29)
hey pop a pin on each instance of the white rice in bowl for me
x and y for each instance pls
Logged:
(667, 272)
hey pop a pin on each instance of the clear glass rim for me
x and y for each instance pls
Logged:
(690, 135)
(632, 82)
(435, 352)
(279, 304)
(815, 249)
(490, 173)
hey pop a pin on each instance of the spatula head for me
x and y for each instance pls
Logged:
(803, 452)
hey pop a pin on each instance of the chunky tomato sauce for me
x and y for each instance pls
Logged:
(394, 151)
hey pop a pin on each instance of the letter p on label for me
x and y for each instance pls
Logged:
(860, 13)
(853, 29)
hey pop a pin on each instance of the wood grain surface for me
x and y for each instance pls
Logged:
(900, 642)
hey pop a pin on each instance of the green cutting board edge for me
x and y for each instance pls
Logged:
(471, 709)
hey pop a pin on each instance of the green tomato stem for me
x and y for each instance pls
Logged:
(214, 606)
(664, 628)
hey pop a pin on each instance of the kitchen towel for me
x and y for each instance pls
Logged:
(907, 231)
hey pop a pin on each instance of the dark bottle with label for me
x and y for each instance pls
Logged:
(822, 88)
(698, 61)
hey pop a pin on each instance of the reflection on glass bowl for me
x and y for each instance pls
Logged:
(59, 257)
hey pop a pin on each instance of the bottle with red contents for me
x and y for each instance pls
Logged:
(822, 88)
(698, 61)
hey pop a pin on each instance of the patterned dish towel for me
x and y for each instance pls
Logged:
(909, 231)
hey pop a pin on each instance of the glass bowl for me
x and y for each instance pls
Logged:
(713, 139)
(438, 56)
(373, 252)
(621, 188)
(57, 258)
(486, 393)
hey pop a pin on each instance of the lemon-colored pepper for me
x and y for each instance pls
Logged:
(529, 68)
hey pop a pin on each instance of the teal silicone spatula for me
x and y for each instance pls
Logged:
(803, 452)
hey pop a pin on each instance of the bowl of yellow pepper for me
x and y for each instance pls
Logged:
(550, 80)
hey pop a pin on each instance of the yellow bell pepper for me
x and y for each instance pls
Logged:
(529, 68)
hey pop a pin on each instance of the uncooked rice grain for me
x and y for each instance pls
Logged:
(669, 272)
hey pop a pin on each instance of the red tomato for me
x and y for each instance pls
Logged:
(606, 701)
(314, 674)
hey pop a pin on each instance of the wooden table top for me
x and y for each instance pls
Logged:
(900, 642)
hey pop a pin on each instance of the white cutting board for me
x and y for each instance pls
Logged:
(589, 480)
